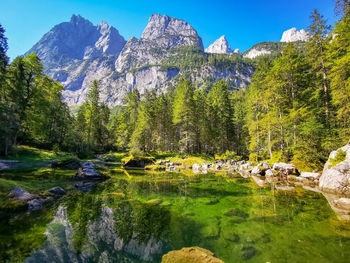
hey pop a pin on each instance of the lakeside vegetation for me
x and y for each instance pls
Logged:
(296, 108)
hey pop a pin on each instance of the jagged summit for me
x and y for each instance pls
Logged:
(292, 35)
(78, 52)
(170, 31)
(77, 39)
(220, 46)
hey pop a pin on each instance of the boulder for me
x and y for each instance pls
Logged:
(342, 203)
(309, 175)
(35, 204)
(19, 193)
(285, 188)
(87, 171)
(140, 162)
(257, 170)
(190, 255)
(259, 181)
(269, 173)
(336, 179)
(286, 168)
(70, 164)
(196, 168)
(57, 190)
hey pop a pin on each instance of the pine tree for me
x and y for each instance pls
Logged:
(183, 116)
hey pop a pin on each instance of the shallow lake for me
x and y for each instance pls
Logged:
(137, 217)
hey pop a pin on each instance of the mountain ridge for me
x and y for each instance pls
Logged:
(77, 52)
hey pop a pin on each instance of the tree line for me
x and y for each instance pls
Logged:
(296, 108)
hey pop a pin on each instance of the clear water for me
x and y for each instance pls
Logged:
(137, 217)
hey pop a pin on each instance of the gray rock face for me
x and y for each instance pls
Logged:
(77, 52)
(220, 46)
(170, 32)
(76, 40)
(161, 34)
(336, 179)
(293, 35)
(255, 52)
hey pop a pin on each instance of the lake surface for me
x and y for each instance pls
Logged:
(137, 217)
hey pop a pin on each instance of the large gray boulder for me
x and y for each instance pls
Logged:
(336, 179)
(19, 193)
(286, 168)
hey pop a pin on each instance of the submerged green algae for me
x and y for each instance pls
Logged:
(226, 214)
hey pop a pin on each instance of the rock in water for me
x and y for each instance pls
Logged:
(336, 179)
(286, 168)
(57, 191)
(19, 193)
(220, 46)
(190, 255)
(293, 35)
(35, 204)
(87, 171)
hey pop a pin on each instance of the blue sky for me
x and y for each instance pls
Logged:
(244, 22)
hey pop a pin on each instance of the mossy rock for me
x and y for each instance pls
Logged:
(154, 202)
(138, 161)
(248, 252)
(236, 212)
(231, 236)
(190, 255)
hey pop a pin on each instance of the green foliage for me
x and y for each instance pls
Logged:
(341, 156)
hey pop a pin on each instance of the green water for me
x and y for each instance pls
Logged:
(137, 217)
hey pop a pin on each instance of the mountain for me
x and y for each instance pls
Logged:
(266, 48)
(77, 52)
(293, 35)
(220, 46)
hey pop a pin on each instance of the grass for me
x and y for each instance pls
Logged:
(114, 156)
(25, 153)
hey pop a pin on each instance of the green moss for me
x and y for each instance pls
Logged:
(341, 156)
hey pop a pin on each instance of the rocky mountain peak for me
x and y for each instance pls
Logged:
(220, 46)
(169, 31)
(293, 35)
(78, 20)
(77, 39)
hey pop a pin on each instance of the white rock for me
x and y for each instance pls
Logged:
(256, 170)
(309, 175)
(287, 168)
(336, 179)
(293, 35)
(220, 46)
(256, 52)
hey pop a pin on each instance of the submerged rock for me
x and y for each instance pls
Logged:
(342, 203)
(19, 193)
(87, 171)
(248, 252)
(259, 181)
(35, 204)
(190, 255)
(57, 190)
(285, 188)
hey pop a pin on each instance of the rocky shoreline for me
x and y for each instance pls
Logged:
(333, 182)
